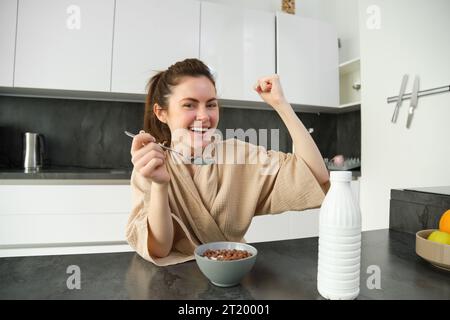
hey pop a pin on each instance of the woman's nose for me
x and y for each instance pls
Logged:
(202, 114)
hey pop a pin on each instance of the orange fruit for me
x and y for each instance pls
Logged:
(444, 222)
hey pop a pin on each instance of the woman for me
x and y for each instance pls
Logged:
(179, 205)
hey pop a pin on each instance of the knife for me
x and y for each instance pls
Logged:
(400, 98)
(413, 103)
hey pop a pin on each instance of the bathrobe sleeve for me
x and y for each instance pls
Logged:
(137, 229)
(287, 184)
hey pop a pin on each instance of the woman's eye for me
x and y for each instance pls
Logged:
(212, 105)
(187, 105)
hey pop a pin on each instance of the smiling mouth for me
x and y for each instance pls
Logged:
(198, 130)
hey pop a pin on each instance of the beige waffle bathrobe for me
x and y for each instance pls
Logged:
(219, 202)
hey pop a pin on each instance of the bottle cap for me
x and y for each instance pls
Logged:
(340, 176)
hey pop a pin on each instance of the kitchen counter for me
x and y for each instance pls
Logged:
(66, 173)
(283, 270)
(441, 190)
(74, 176)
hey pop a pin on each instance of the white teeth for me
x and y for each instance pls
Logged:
(199, 129)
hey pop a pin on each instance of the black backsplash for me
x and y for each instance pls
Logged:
(325, 131)
(245, 119)
(87, 133)
(349, 134)
(77, 132)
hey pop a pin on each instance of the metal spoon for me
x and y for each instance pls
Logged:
(162, 146)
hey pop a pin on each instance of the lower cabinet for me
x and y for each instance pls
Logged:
(289, 224)
(283, 226)
(76, 219)
(58, 219)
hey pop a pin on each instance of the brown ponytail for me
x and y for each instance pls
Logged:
(160, 88)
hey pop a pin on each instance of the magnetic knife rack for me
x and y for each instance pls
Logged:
(422, 93)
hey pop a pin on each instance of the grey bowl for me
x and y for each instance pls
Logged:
(225, 273)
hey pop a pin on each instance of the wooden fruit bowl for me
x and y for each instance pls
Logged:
(438, 254)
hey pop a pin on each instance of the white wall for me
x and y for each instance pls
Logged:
(413, 39)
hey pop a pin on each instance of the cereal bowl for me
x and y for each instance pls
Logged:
(225, 263)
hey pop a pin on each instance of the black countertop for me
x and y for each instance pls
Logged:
(80, 173)
(441, 190)
(283, 270)
(67, 173)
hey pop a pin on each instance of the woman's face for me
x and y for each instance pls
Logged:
(193, 112)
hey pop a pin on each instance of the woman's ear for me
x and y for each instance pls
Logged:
(160, 113)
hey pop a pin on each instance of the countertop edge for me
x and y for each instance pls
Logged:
(64, 181)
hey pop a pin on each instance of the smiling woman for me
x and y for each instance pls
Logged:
(178, 206)
(169, 88)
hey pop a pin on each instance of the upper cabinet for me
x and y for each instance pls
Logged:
(307, 61)
(64, 44)
(118, 45)
(8, 16)
(149, 36)
(239, 45)
(350, 83)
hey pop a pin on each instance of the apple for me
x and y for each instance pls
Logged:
(338, 160)
(440, 237)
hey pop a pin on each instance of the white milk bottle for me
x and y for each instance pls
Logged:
(339, 241)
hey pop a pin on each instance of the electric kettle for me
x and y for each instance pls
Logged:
(33, 151)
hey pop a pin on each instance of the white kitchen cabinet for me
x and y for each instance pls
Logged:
(283, 226)
(43, 216)
(350, 83)
(307, 60)
(64, 44)
(270, 227)
(8, 17)
(289, 224)
(149, 36)
(239, 45)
